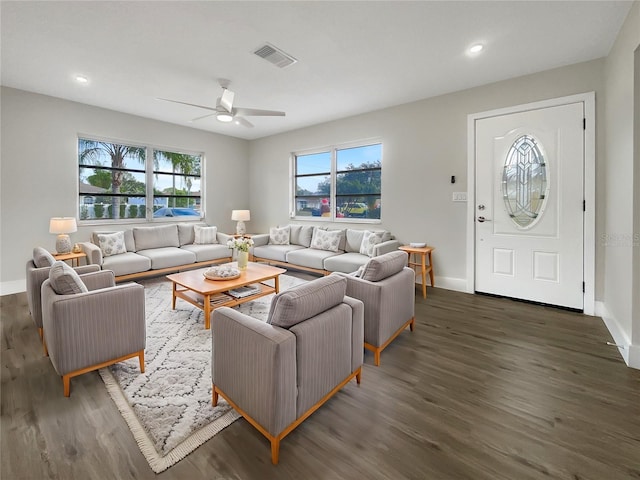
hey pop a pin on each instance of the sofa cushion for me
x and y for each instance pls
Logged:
(346, 262)
(310, 257)
(112, 243)
(156, 237)
(205, 253)
(129, 242)
(65, 281)
(300, 235)
(353, 240)
(369, 241)
(42, 258)
(326, 240)
(126, 263)
(186, 235)
(304, 301)
(205, 235)
(279, 235)
(275, 252)
(168, 257)
(383, 266)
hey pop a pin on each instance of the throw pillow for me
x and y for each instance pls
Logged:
(65, 281)
(369, 241)
(326, 239)
(279, 236)
(42, 258)
(205, 235)
(383, 266)
(112, 243)
(304, 301)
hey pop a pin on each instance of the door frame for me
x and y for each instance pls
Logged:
(589, 231)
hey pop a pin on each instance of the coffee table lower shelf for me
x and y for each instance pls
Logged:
(216, 300)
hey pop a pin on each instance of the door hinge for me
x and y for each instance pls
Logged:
(584, 123)
(584, 205)
(582, 287)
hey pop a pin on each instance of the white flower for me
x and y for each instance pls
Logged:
(242, 244)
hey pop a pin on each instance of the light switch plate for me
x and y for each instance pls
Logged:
(459, 196)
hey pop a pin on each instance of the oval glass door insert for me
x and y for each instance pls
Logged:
(524, 182)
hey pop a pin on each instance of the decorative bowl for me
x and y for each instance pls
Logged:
(221, 273)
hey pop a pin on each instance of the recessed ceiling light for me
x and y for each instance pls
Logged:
(82, 79)
(476, 48)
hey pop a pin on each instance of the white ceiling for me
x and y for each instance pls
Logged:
(353, 57)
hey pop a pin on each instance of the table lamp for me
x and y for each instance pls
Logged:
(241, 216)
(63, 226)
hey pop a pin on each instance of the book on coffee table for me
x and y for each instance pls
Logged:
(245, 291)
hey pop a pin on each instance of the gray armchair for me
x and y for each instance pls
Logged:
(386, 286)
(276, 374)
(37, 271)
(90, 323)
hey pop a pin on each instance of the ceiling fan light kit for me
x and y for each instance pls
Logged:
(224, 110)
(224, 117)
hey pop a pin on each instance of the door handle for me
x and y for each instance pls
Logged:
(482, 219)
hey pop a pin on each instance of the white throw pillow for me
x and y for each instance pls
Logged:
(112, 243)
(369, 241)
(326, 239)
(205, 235)
(279, 236)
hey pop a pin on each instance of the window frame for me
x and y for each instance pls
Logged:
(149, 171)
(333, 151)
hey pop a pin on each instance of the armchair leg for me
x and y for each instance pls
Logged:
(275, 450)
(66, 385)
(412, 324)
(141, 359)
(214, 395)
(358, 375)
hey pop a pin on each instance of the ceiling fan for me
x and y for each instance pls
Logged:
(224, 110)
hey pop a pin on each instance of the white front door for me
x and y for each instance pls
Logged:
(529, 213)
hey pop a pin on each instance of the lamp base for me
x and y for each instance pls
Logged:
(240, 228)
(63, 243)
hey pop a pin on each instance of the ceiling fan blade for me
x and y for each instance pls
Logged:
(226, 100)
(254, 112)
(243, 121)
(203, 117)
(189, 104)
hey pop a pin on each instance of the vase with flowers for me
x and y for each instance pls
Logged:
(241, 245)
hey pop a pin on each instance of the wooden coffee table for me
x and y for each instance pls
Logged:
(207, 295)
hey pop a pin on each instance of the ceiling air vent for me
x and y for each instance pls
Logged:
(275, 55)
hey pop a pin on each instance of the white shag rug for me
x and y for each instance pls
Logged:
(168, 408)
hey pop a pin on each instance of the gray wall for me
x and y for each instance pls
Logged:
(39, 169)
(620, 192)
(425, 143)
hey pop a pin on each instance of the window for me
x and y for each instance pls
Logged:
(339, 183)
(118, 182)
(524, 181)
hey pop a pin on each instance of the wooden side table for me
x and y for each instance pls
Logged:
(74, 257)
(425, 264)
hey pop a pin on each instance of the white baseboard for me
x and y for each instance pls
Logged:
(449, 283)
(619, 336)
(15, 286)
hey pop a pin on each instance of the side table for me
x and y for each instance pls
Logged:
(74, 257)
(425, 264)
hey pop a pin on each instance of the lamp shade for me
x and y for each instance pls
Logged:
(241, 215)
(62, 225)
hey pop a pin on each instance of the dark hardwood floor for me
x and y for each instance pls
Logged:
(484, 388)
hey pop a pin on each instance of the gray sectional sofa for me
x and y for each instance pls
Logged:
(148, 251)
(305, 249)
